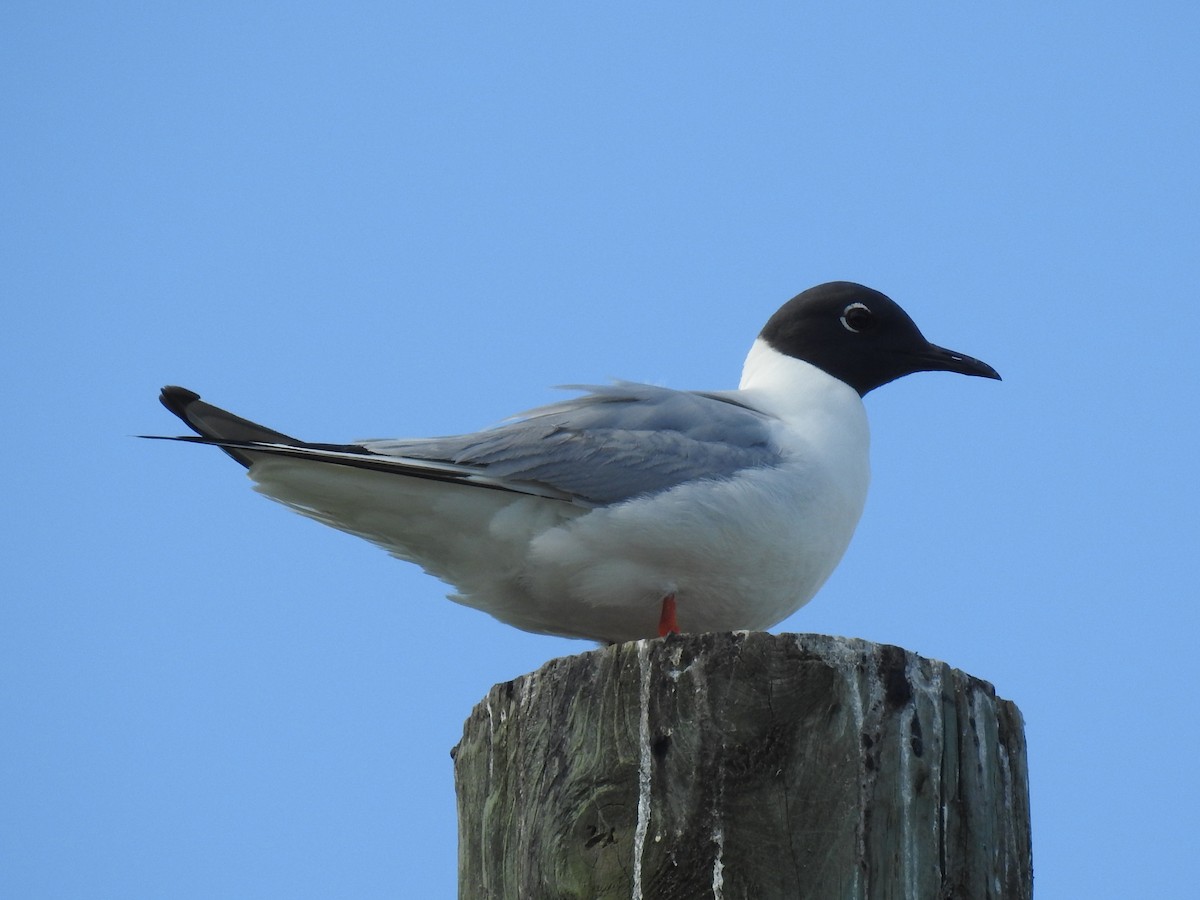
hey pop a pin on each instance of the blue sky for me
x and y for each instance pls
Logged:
(361, 220)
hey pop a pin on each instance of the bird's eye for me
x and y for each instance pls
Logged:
(857, 318)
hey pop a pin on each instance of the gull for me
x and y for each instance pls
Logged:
(630, 510)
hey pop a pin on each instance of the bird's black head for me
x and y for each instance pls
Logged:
(860, 336)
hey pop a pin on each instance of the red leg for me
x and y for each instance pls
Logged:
(666, 622)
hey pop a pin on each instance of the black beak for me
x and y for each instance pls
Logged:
(939, 359)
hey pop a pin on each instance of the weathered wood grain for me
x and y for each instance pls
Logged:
(750, 766)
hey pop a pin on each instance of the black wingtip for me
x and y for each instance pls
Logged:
(176, 399)
(219, 425)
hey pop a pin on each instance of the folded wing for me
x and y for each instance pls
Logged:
(609, 444)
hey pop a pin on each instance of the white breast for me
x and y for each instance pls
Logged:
(822, 419)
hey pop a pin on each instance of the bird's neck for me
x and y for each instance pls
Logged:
(820, 417)
(788, 388)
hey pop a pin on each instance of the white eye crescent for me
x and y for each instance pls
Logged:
(857, 318)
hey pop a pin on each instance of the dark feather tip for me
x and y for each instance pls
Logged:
(176, 399)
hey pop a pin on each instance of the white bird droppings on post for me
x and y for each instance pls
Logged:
(644, 763)
(718, 883)
(910, 842)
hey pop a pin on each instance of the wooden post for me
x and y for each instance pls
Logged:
(753, 766)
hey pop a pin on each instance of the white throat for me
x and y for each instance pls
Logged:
(821, 418)
(785, 386)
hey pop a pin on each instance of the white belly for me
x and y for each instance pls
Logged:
(743, 553)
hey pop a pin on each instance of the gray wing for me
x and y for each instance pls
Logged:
(610, 444)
